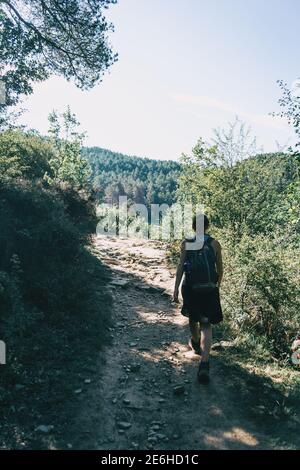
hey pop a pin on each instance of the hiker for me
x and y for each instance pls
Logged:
(203, 270)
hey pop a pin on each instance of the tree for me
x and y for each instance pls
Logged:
(24, 155)
(290, 104)
(249, 197)
(157, 179)
(235, 143)
(39, 38)
(67, 164)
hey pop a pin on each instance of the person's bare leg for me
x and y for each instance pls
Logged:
(206, 341)
(195, 330)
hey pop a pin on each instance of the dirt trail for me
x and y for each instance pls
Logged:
(148, 395)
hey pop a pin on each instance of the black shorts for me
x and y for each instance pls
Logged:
(198, 305)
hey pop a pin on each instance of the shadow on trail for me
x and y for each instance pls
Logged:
(41, 396)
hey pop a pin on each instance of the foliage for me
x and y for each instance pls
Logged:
(24, 154)
(290, 110)
(39, 230)
(41, 38)
(56, 158)
(49, 280)
(53, 304)
(67, 164)
(250, 196)
(143, 180)
(261, 288)
(235, 143)
(290, 107)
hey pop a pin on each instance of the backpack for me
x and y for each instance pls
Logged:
(200, 267)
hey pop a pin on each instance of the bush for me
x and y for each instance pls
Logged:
(54, 308)
(261, 288)
(47, 273)
(24, 154)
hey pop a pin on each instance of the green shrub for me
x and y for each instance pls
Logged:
(24, 154)
(47, 274)
(261, 287)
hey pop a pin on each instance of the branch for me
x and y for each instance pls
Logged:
(34, 28)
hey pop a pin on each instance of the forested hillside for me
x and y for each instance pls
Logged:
(142, 180)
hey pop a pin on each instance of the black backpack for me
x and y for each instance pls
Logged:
(200, 267)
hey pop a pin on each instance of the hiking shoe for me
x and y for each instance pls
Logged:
(203, 373)
(195, 346)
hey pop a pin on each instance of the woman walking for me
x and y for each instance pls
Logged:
(202, 268)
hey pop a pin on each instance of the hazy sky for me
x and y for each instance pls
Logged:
(185, 67)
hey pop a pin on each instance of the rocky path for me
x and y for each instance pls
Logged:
(148, 396)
